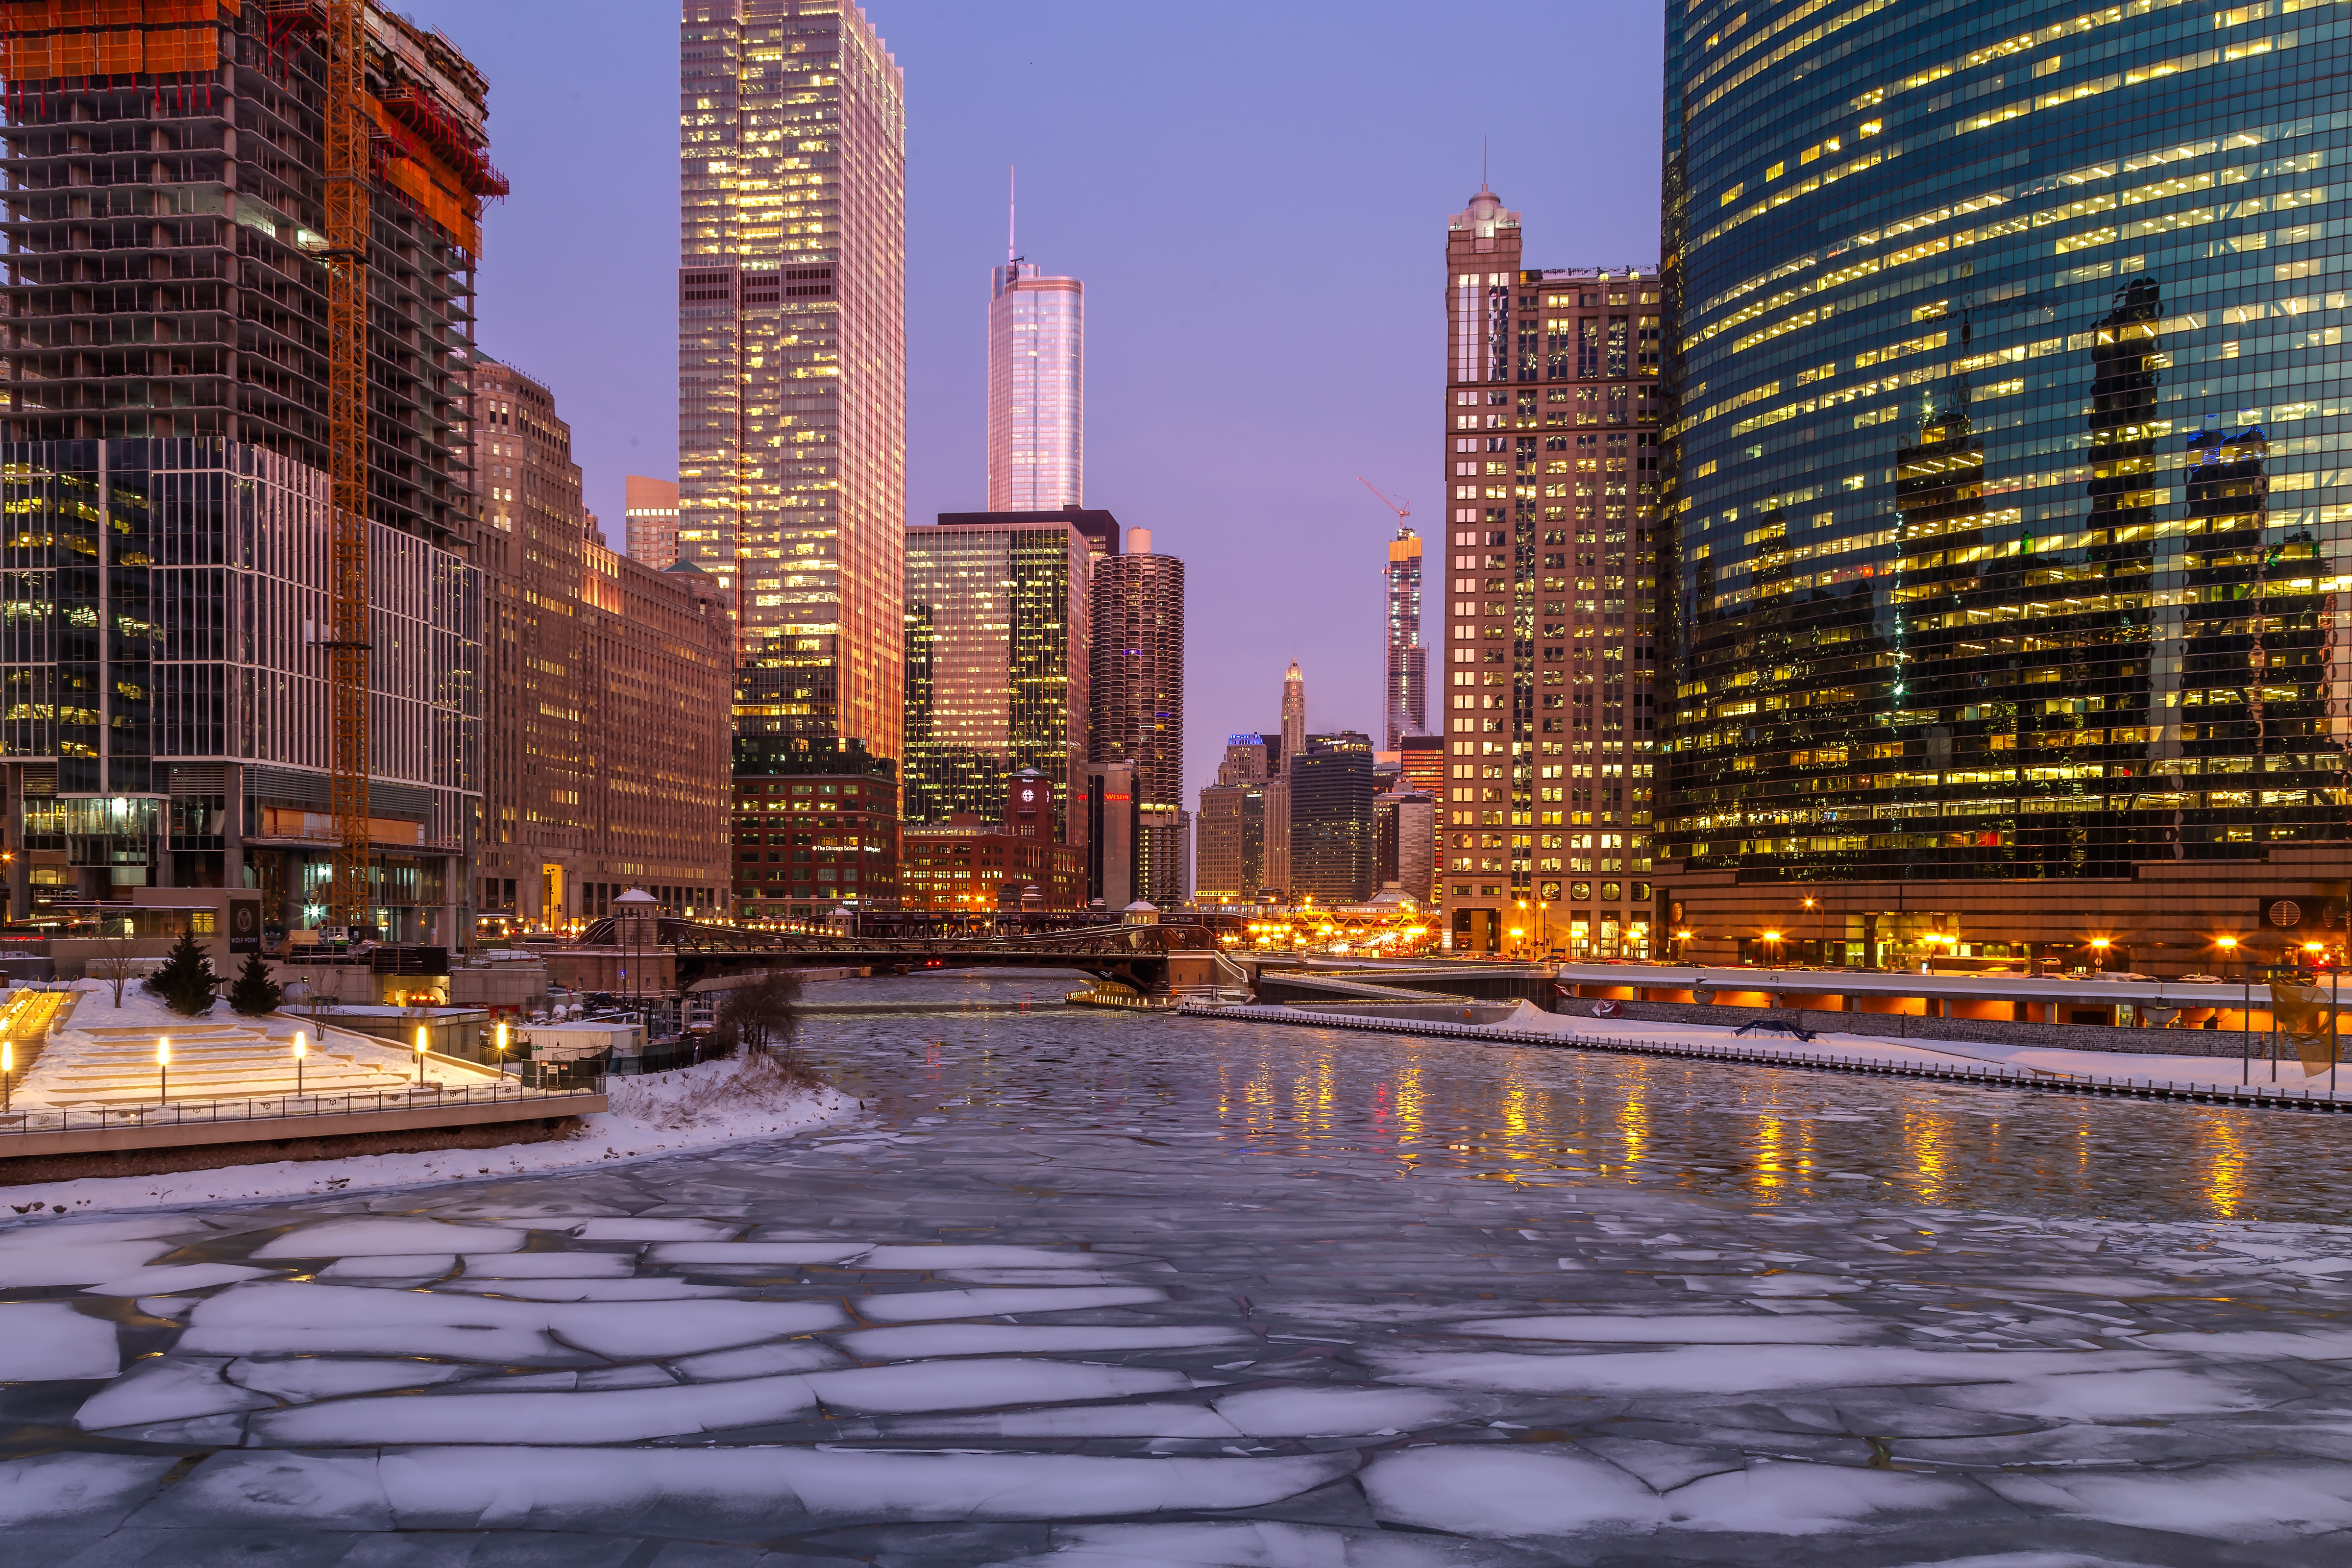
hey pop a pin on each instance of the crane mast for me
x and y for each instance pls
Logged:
(1402, 512)
(349, 168)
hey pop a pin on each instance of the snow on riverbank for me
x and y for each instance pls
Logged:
(662, 1113)
(2123, 1066)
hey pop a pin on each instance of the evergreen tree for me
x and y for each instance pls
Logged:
(186, 983)
(255, 993)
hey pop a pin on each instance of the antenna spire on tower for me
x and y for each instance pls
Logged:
(1011, 216)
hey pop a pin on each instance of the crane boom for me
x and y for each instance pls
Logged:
(349, 168)
(1402, 512)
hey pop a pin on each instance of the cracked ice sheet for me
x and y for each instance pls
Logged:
(1002, 1339)
(1742, 1369)
(306, 1378)
(1517, 1492)
(2222, 1502)
(84, 1254)
(165, 1279)
(634, 1415)
(551, 1266)
(1713, 1329)
(162, 1389)
(1258, 1546)
(49, 1342)
(1255, 1413)
(918, 1306)
(288, 1319)
(710, 1493)
(92, 1490)
(384, 1236)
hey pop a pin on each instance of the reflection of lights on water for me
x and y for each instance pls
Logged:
(1926, 1145)
(1633, 1126)
(1768, 1134)
(2225, 1175)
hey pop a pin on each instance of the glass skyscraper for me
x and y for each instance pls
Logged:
(1036, 390)
(792, 357)
(2007, 543)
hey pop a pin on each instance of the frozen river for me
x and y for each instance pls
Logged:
(1085, 1288)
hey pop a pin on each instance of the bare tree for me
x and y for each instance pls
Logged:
(757, 1019)
(115, 965)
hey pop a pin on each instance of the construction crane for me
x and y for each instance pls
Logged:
(1402, 512)
(349, 167)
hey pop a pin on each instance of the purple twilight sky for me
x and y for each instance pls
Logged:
(1255, 196)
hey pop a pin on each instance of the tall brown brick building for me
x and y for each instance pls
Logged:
(1548, 570)
(606, 729)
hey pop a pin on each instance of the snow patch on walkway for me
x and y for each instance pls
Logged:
(661, 1113)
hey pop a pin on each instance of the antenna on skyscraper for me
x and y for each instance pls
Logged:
(1011, 216)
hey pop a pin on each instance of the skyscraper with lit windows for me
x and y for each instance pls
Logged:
(791, 357)
(2008, 551)
(1551, 465)
(1036, 390)
(1408, 671)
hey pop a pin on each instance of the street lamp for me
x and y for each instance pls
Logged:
(7, 1076)
(2099, 946)
(420, 1055)
(1772, 941)
(300, 1047)
(163, 1068)
(501, 1046)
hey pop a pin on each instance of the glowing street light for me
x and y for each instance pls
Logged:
(164, 1067)
(7, 1075)
(301, 1048)
(500, 1045)
(420, 1054)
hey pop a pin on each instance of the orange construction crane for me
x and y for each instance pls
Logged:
(1402, 512)
(349, 167)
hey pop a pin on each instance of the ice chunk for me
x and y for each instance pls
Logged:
(918, 1306)
(1254, 1545)
(636, 1377)
(91, 1491)
(1032, 1275)
(166, 1306)
(2109, 1395)
(979, 1385)
(1015, 1339)
(654, 1289)
(164, 1388)
(750, 1494)
(619, 1415)
(1079, 1421)
(171, 1276)
(1334, 1412)
(761, 1361)
(1777, 1498)
(48, 1341)
(1742, 1369)
(1773, 1285)
(929, 1258)
(629, 1229)
(762, 1253)
(2326, 1344)
(552, 1266)
(1504, 1494)
(292, 1318)
(2111, 1287)
(1713, 1329)
(58, 1257)
(305, 1377)
(393, 1266)
(2270, 1501)
(386, 1236)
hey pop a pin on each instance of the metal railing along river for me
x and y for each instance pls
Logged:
(287, 1107)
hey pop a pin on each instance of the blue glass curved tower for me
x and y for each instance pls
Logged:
(2008, 546)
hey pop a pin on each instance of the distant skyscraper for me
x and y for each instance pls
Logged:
(791, 357)
(999, 662)
(1036, 390)
(1294, 714)
(650, 508)
(1332, 844)
(1135, 712)
(1408, 679)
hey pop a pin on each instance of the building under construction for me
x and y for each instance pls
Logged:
(169, 648)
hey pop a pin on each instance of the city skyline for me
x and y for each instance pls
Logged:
(1182, 360)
